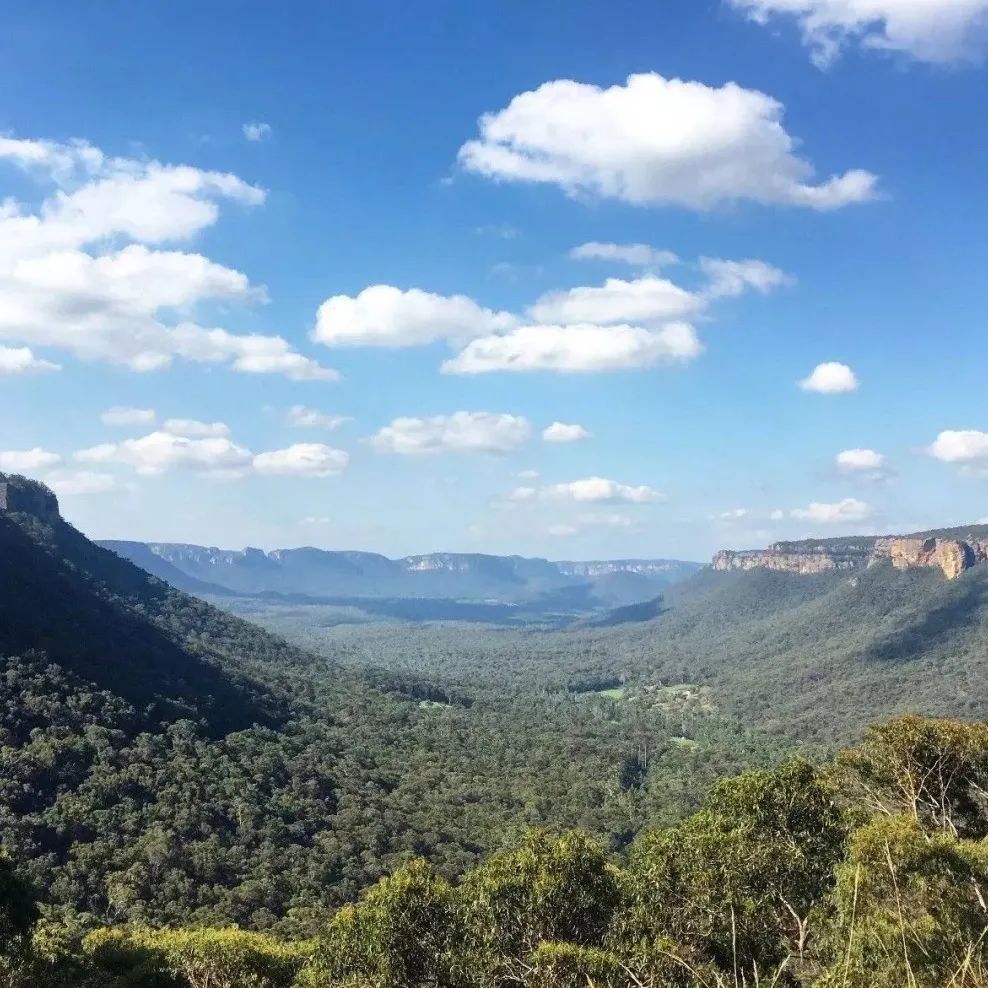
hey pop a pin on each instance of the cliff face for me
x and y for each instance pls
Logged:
(786, 561)
(23, 496)
(951, 555)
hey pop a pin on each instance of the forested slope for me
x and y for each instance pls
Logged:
(163, 761)
(809, 657)
(867, 872)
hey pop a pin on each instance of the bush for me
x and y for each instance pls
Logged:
(735, 883)
(226, 958)
(566, 965)
(401, 934)
(557, 888)
(910, 909)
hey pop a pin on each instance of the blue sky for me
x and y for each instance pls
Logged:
(353, 329)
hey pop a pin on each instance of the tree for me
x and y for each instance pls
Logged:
(400, 935)
(735, 883)
(553, 888)
(566, 965)
(195, 958)
(934, 770)
(911, 909)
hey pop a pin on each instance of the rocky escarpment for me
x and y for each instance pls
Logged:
(951, 554)
(787, 560)
(19, 495)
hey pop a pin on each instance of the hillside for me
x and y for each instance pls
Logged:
(465, 577)
(811, 657)
(108, 622)
(164, 762)
(167, 763)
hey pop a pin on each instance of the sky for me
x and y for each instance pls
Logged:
(585, 280)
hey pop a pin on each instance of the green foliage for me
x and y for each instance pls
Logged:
(735, 883)
(552, 888)
(932, 770)
(402, 934)
(167, 764)
(567, 965)
(194, 958)
(789, 877)
(911, 909)
(18, 910)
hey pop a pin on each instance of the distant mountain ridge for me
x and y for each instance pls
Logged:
(466, 576)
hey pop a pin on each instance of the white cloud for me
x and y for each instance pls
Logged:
(193, 427)
(637, 255)
(68, 483)
(850, 509)
(311, 418)
(655, 141)
(484, 432)
(214, 454)
(256, 130)
(599, 489)
(62, 160)
(648, 300)
(20, 360)
(124, 415)
(563, 531)
(864, 463)
(612, 520)
(83, 271)
(252, 354)
(830, 378)
(963, 446)
(100, 197)
(521, 494)
(728, 279)
(383, 315)
(528, 474)
(27, 460)
(561, 432)
(928, 30)
(615, 326)
(577, 349)
(159, 452)
(302, 460)
(748, 516)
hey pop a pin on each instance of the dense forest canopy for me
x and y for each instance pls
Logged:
(867, 872)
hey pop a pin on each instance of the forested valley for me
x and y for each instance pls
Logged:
(187, 800)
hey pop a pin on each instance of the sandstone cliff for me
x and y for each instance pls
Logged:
(952, 555)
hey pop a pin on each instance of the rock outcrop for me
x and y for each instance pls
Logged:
(952, 556)
(19, 495)
(786, 560)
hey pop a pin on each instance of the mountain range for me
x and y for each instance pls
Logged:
(474, 577)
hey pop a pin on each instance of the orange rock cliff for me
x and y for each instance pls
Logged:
(952, 556)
